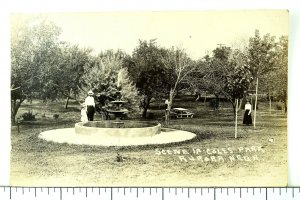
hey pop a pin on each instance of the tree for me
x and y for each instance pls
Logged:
(70, 70)
(179, 66)
(282, 70)
(261, 59)
(33, 44)
(108, 79)
(147, 71)
(216, 70)
(237, 83)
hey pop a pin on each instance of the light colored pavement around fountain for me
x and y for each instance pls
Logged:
(68, 135)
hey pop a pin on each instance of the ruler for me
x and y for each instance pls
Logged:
(147, 193)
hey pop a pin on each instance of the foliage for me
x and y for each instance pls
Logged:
(261, 54)
(33, 52)
(179, 66)
(147, 71)
(108, 79)
(28, 116)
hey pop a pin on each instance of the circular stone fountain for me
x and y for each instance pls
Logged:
(117, 133)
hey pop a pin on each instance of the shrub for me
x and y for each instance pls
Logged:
(28, 116)
(55, 116)
(278, 106)
(214, 104)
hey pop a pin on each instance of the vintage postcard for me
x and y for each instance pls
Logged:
(196, 98)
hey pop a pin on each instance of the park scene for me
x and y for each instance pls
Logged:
(95, 104)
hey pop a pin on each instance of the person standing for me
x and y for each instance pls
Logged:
(90, 105)
(84, 117)
(247, 116)
(166, 103)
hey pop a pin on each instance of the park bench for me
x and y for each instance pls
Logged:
(182, 113)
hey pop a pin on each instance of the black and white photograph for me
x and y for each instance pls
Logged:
(141, 98)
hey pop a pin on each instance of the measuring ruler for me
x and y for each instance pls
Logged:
(147, 193)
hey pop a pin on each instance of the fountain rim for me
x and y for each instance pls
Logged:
(154, 124)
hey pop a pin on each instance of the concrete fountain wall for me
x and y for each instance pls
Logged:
(118, 129)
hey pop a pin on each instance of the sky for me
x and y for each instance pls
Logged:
(197, 32)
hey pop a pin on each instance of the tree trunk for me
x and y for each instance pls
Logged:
(15, 105)
(144, 114)
(67, 102)
(167, 113)
(270, 103)
(145, 105)
(236, 116)
(255, 105)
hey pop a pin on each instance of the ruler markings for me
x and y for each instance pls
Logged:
(111, 193)
(99, 191)
(253, 189)
(240, 193)
(60, 194)
(292, 193)
(215, 196)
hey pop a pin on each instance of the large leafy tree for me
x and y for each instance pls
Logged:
(146, 68)
(216, 69)
(34, 46)
(237, 82)
(178, 66)
(107, 77)
(70, 70)
(261, 53)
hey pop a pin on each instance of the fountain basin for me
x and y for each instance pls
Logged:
(118, 129)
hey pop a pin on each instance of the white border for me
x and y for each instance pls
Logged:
(6, 7)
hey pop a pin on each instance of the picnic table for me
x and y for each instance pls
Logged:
(182, 113)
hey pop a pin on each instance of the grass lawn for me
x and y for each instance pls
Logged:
(258, 157)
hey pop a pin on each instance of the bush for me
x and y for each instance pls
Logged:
(214, 104)
(28, 116)
(56, 116)
(278, 106)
